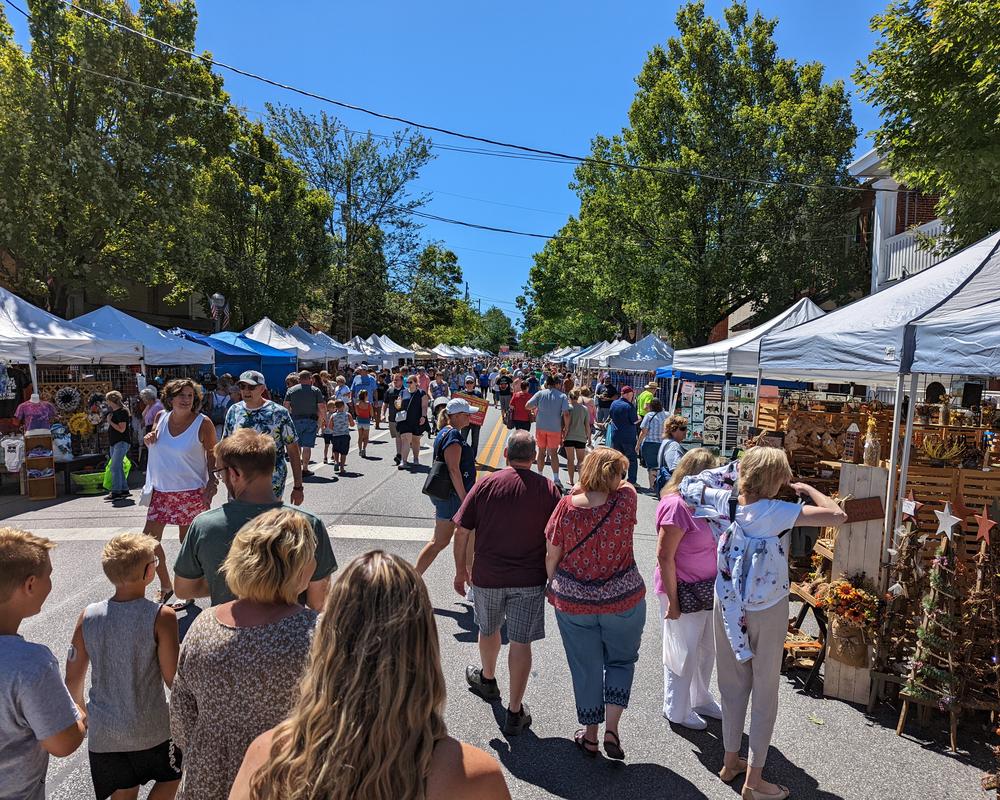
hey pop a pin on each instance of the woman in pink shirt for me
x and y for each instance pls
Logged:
(684, 581)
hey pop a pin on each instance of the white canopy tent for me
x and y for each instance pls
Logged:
(353, 356)
(319, 350)
(578, 359)
(740, 354)
(270, 333)
(645, 355)
(157, 347)
(599, 358)
(875, 340)
(32, 336)
(446, 351)
(864, 341)
(373, 353)
(389, 346)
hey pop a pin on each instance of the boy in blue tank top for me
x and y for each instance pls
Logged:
(132, 644)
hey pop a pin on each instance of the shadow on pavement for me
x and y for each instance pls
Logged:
(709, 750)
(557, 766)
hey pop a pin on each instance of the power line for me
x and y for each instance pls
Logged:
(458, 134)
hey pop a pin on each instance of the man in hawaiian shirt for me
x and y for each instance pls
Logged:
(271, 419)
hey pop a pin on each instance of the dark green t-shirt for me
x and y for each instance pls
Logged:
(207, 544)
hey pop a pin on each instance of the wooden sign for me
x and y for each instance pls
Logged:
(479, 415)
(864, 509)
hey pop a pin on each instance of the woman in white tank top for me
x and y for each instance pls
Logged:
(180, 477)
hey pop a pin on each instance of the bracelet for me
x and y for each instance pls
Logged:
(298, 488)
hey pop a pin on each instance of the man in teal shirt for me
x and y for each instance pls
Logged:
(245, 462)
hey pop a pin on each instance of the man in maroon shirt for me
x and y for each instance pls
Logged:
(507, 512)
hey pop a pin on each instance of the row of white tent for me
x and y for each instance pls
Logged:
(458, 351)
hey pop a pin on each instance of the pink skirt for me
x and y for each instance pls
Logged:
(176, 508)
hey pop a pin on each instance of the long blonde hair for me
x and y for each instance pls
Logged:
(693, 462)
(371, 704)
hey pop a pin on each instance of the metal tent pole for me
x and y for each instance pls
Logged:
(907, 443)
(756, 396)
(725, 414)
(670, 394)
(890, 493)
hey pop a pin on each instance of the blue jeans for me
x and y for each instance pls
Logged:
(601, 650)
(117, 457)
(627, 449)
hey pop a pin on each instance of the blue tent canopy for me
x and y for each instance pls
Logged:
(665, 372)
(228, 358)
(274, 363)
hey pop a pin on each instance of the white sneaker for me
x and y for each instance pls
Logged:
(692, 721)
(712, 709)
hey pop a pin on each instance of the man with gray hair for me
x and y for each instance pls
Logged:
(506, 514)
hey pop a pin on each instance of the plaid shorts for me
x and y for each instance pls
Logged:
(523, 608)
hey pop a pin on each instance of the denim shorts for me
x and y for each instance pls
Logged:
(305, 430)
(446, 509)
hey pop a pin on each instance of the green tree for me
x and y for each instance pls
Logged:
(371, 179)
(96, 174)
(495, 329)
(935, 77)
(260, 232)
(661, 242)
(434, 291)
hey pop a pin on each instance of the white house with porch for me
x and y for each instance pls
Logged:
(895, 222)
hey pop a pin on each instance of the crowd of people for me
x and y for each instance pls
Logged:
(290, 684)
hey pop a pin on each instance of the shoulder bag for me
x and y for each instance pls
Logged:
(438, 482)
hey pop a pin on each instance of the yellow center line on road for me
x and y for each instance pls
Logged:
(493, 450)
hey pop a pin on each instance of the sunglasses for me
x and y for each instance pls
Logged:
(246, 386)
(683, 428)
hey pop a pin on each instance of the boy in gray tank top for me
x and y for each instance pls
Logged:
(132, 644)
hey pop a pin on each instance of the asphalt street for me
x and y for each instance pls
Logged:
(822, 749)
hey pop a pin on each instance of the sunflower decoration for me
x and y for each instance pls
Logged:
(853, 601)
(67, 399)
(80, 424)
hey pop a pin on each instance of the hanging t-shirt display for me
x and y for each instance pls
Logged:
(13, 382)
(36, 416)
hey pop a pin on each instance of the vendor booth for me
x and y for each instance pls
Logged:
(229, 357)
(351, 356)
(321, 350)
(922, 530)
(387, 345)
(273, 335)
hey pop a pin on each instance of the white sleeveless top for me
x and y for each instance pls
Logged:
(177, 463)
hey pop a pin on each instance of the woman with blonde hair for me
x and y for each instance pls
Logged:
(241, 662)
(369, 718)
(751, 604)
(598, 594)
(684, 580)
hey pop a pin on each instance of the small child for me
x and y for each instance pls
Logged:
(363, 417)
(339, 422)
(132, 644)
(331, 408)
(38, 718)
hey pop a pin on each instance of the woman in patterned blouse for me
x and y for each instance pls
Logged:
(598, 594)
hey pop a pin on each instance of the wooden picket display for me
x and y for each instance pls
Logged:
(858, 550)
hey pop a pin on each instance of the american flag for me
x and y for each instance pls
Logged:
(224, 311)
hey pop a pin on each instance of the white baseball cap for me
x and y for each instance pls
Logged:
(457, 406)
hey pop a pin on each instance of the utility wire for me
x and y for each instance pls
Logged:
(458, 134)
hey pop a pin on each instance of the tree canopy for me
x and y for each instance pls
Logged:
(935, 77)
(726, 188)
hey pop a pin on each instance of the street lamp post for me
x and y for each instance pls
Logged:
(218, 301)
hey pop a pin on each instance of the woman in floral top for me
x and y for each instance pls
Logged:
(598, 594)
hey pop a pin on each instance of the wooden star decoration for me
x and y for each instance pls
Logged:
(959, 509)
(947, 521)
(911, 507)
(985, 525)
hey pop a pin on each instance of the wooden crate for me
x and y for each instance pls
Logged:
(858, 550)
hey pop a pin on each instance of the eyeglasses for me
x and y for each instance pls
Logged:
(217, 470)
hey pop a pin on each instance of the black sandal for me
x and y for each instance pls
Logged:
(581, 740)
(613, 749)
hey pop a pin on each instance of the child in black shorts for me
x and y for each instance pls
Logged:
(132, 644)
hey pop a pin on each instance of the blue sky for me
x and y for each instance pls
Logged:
(549, 74)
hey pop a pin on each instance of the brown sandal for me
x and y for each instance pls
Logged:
(585, 744)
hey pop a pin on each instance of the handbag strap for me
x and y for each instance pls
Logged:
(597, 527)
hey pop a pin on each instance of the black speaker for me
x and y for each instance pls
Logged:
(972, 395)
